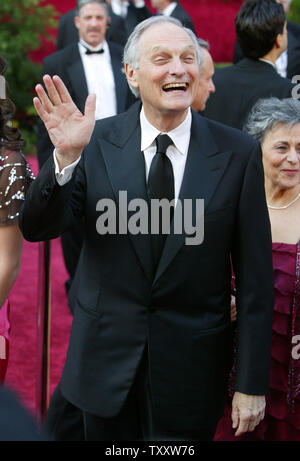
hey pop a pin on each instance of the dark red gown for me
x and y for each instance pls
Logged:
(282, 419)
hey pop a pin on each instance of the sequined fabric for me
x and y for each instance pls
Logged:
(15, 177)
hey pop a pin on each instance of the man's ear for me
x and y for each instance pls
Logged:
(76, 22)
(279, 41)
(131, 75)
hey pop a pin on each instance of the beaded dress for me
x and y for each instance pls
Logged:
(15, 177)
(282, 417)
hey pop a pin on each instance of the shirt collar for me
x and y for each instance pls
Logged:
(169, 9)
(118, 6)
(85, 45)
(268, 62)
(179, 135)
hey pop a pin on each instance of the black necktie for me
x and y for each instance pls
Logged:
(160, 185)
(88, 51)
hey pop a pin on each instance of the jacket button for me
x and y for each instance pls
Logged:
(45, 192)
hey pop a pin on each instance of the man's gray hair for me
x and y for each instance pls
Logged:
(81, 3)
(131, 51)
(203, 43)
(267, 113)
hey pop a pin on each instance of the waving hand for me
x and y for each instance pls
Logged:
(69, 130)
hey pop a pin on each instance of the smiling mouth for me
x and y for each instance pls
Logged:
(182, 86)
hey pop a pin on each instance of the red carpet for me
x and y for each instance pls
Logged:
(21, 372)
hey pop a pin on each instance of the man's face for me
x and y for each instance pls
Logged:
(206, 84)
(168, 72)
(286, 5)
(158, 3)
(284, 38)
(92, 23)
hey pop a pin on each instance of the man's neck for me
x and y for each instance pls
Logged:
(273, 55)
(88, 45)
(163, 6)
(166, 121)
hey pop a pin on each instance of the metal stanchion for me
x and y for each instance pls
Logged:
(43, 330)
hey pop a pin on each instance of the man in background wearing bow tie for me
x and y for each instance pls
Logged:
(124, 16)
(92, 65)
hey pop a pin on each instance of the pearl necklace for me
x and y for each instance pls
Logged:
(284, 206)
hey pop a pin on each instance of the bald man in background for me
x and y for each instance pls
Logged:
(206, 84)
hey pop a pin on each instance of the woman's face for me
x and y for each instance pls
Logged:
(281, 156)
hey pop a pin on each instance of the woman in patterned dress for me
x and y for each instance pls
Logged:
(15, 176)
(276, 125)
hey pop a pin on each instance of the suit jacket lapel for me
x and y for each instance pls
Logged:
(204, 168)
(77, 77)
(126, 170)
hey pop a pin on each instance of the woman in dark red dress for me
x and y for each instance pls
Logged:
(276, 124)
(15, 176)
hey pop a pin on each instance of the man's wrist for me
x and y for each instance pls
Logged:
(66, 160)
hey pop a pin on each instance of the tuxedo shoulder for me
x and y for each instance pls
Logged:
(68, 15)
(115, 47)
(223, 72)
(61, 55)
(230, 138)
(114, 127)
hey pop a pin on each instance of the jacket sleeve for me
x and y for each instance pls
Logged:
(252, 264)
(50, 209)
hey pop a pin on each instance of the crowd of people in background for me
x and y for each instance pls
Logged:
(185, 346)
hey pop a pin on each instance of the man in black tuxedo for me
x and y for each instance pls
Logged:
(83, 73)
(83, 67)
(123, 17)
(288, 63)
(206, 84)
(261, 31)
(151, 341)
(174, 9)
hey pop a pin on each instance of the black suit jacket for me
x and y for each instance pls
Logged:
(240, 86)
(184, 17)
(294, 28)
(135, 16)
(181, 311)
(293, 50)
(68, 65)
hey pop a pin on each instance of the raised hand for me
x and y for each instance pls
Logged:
(69, 130)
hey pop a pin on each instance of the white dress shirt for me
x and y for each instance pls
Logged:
(169, 9)
(281, 64)
(120, 8)
(100, 78)
(177, 153)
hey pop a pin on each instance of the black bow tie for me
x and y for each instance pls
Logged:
(88, 51)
